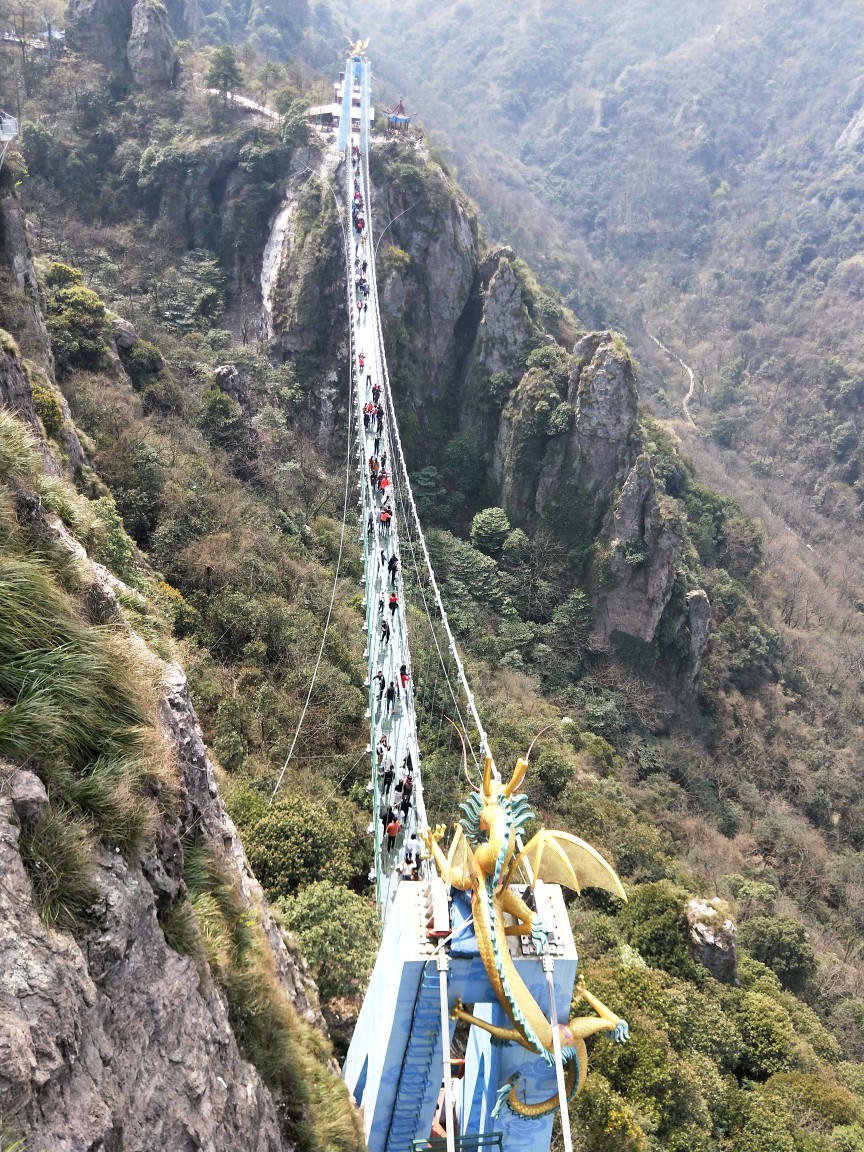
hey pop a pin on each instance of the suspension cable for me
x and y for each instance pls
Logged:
(341, 537)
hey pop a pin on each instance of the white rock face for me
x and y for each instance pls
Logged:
(713, 939)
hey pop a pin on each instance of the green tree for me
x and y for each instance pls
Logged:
(489, 529)
(339, 934)
(571, 623)
(783, 945)
(77, 321)
(294, 843)
(223, 73)
(656, 926)
(843, 440)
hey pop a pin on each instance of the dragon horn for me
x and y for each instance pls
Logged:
(517, 777)
(522, 766)
(487, 774)
(464, 752)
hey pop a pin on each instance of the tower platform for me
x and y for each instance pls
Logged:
(394, 1063)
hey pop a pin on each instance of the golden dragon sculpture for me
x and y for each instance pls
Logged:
(483, 859)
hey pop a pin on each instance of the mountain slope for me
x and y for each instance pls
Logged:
(223, 456)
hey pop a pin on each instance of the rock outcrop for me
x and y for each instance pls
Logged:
(467, 350)
(15, 391)
(303, 269)
(112, 1039)
(16, 385)
(852, 135)
(699, 621)
(185, 17)
(646, 537)
(713, 939)
(150, 49)
(505, 329)
(432, 303)
(228, 381)
(132, 36)
(100, 30)
(16, 261)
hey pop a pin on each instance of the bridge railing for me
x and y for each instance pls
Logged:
(401, 722)
(482, 740)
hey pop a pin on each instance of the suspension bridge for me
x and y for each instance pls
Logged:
(458, 1043)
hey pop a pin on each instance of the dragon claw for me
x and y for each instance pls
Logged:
(622, 1032)
(502, 1094)
(539, 935)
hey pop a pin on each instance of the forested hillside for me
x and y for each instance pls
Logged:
(694, 173)
(202, 444)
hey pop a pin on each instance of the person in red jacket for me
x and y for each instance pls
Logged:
(393, 829)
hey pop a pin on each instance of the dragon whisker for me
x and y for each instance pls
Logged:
(464, 752)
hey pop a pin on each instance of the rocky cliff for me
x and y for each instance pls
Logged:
(130, 36)
(132, 1020)
(474, 345)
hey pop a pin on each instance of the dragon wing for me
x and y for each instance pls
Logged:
(460, 857)
(559, 858)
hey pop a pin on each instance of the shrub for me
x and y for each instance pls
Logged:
(553, 359)
(339, 933)
(294, 843)
(815, 1102)
(464, 464)
(142, 361)
(561, 420)
(763, 1131)
(656, 926)
(111, 545)
(571, 622)
(843, 440)
(606, 1119)
(394, 259)
(72, 706)
(291, 1056)
(77, 322)
(848, 1138)
(19, 456)
(58, 856)
(783, 945)
(767, 1033)
(47, 404)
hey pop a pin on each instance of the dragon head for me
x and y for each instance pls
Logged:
(493, 807)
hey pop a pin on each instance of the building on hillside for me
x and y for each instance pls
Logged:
(398, 118)
(327, 115)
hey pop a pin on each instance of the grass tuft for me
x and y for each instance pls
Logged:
(58, 854)
(290, 1055)
(76, 706)
(19, 455)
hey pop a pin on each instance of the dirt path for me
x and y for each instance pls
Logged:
(685, 404)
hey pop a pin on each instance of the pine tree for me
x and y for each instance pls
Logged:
(224, 72)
